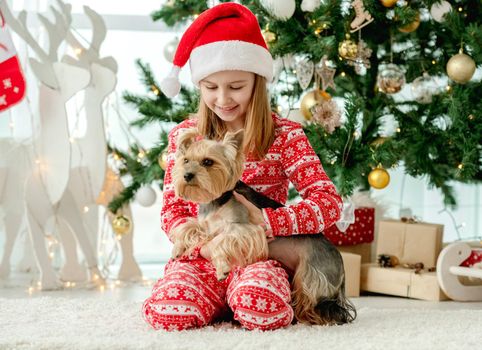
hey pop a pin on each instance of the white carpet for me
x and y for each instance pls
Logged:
(76, 323)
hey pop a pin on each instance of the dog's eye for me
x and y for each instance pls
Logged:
(185, 160)
(207, 162)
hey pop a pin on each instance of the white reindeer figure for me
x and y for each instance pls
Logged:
(90, 152)
(47, 181)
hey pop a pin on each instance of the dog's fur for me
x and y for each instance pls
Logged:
(203, 171)
(206, 172)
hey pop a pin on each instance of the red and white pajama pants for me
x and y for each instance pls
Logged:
(190, 296)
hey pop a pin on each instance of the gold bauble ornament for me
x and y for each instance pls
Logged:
(379, 178)
(348, 49)
(162, 160)
(411, 27)
(310, 100)
(460, 68)
(388, 3)
(390, 78)
(121, 225)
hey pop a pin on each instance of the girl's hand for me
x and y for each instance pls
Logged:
(255, 214)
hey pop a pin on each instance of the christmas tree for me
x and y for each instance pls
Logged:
(355, 68)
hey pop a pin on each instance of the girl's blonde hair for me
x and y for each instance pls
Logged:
(258, 126)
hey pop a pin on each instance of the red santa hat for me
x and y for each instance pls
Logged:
(225, 37)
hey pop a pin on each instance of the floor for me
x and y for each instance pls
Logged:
(23, 286)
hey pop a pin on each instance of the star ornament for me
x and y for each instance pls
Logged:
(327, 75)
(3, 100)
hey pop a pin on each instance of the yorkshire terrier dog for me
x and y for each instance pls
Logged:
(207, 172)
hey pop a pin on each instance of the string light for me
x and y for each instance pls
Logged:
(31, 290)
(86, 209)
(78, 51)
(460, 166)
(155, 89)
(434, 62)
(448, 88)
(343, 74)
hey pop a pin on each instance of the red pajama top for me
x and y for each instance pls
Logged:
(289, 159)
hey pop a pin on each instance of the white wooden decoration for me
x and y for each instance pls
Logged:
(129, 269)
(17, 163)
(448, 270)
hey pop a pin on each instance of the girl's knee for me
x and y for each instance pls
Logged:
(262, 312)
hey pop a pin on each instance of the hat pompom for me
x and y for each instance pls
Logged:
(170, 86)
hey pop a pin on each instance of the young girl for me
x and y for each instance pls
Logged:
(231, 64)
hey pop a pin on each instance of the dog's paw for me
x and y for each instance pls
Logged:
(221, 276)
(222, 271)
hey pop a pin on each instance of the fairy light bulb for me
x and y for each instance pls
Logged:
(86, 209)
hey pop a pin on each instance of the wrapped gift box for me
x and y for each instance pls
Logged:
(361, 231)
(401, 282)
(364, 250)
(352, 264)
(410, 242)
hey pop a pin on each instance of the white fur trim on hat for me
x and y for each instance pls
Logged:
(230, 55)
(170, 85)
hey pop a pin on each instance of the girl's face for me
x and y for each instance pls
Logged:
(227, 94)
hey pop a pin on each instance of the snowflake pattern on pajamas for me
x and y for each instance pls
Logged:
(190, 296)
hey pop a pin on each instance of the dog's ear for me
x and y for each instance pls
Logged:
(185, 139)
(234, 138)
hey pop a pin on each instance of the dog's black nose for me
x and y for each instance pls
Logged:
(188, 176)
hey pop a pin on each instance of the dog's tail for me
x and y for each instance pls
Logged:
(318, 297)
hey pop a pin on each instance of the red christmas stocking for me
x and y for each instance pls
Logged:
(12, 82)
